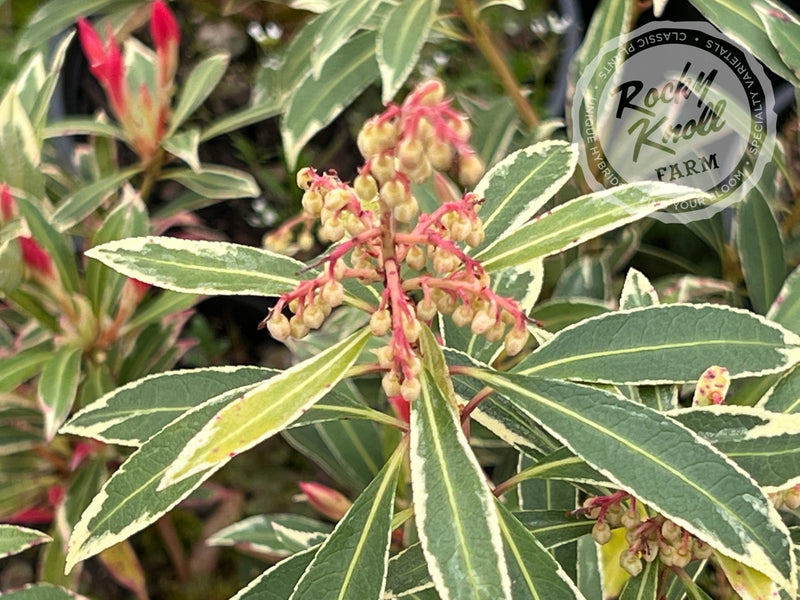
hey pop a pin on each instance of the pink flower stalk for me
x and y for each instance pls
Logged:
(7, 204)
(326, 500)
(105, 62)
(36, 257)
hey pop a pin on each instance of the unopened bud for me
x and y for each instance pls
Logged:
(701, 550)
(411, 153)
(305, 178)
(440, 154)
(327, 501)
(387, 135)
(279, 328)
(367, 140)
(462, 316)
(515, 341)
(383, 168)
(482, 322)
(631, 562)
(416, 258)
(298, 327)
(313, 316)
(412, 330)
(601, 532)
(630, 519)
(470, 169)
(671, 531)
(380, 322)
(391, 384)
(434, 92)
(337, 199)
(393, 193)
(385, 357)
(36, 257)
(496, 332)
(421, 172)
(445, 303)
(366, 187)
(312, 202)
(476, 235)
(410, 389)
(406, 210)
(426, 309)
(333, 293)
(792, 498)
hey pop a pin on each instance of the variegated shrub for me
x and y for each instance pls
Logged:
(429, 291)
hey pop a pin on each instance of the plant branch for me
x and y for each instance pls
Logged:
(483, 40)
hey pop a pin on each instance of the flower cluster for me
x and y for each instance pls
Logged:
(649, 538)
(381, 237)
(143, 113)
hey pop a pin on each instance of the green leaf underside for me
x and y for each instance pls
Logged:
(131, 500)
(454, 509)
(266, 409)
(277, 582)
(662, 463)
(353, 560)
(581, 219)
(276, 535)
(400, 41)
(202, 267)
(519, 185)
(664, 344)
(15, 539)
(133, 413)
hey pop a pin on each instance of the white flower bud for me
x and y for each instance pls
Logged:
(380, 322)
(410, 389)
(278, 326)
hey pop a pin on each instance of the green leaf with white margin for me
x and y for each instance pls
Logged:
(131, 499)
(554, 528)
(277, 535)
(88, 198)
(783, 28)
(784, 395)
(15, 539)
(43, 591)
(400, 41)
(19, 168)
(520, 184)
(522, 284)
(582, 219)
(21, 366)
(534, 573)
(765, 444)
(637, 291)
(407, 573)
(760, 249)
(277, 582)
(266, 409)
(786, 307)
(353, 560)
(645, 585)
(58, 385)
(454, 509)
(674, 471)
(202, 267)
(83, 126)
(316, 102)
(133, 413)
(346, 18)
(623, 347)
(216, 181)
(740, 22)
(184, 145)
(44, 94)
(199, 84)
(749, 583)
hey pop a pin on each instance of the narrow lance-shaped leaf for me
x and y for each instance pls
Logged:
(582, 219)
(88, 198)
(782, 28)
(535, 574)
(199, 84)
(455, 514)
(664, 344)
(786, 307)
(645, 585)
(345, 19)
(266, 410)
(277, 535)
(760, 250)
(663, 464)
(784, 396)
(15, 539)
(352, 561)
(316, 102)
(133, 413)
(43, 591)
(277, 582)
(215, 181)
(401, 37)
(184, 145)
(520, 184)
(201, 267)
(130, 500)
(57, 387)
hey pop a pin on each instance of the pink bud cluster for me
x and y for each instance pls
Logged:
(380, 237)
(143, 113)
(648, 538)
